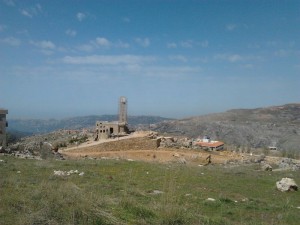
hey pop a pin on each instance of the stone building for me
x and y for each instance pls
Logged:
(3, 125)
(105, 129)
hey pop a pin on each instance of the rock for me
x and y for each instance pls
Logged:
(259, 159)
(266, 167)
(286, 184)
(211, 199)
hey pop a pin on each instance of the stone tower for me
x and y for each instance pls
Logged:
(123, 110)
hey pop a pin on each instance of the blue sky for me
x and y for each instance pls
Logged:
(176, 59)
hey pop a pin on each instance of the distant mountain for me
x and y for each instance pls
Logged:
(261, 127)
(38, 126)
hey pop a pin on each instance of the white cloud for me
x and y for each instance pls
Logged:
(43, 44)
(45, 47)
(231, 27)
(107, 59)
(102, 42)
(143, 42)
(10, 41)
(71, 32)
(171, 45)
(180, 58)
(80, 16)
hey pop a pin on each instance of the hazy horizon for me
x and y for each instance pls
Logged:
(172, 59)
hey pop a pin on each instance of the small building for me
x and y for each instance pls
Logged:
(208, 144)
(3, 125)
(105, 129)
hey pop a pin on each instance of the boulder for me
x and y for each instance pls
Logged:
(286, 184)
(266, 167)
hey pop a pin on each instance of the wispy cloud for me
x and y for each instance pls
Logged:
(2, 27)
(107, 59)
(187, 44)
(102, 42)
(126, 20)
(286, 53)
(171, 45)
(192, 43)
(231, 27)
(80, 16)
(45, 47)
(229, 57)
(32, 11)
(43, 44)
(144, 42)
(121, 44)
(10, 41)
(9, 2)
(179, 58)
(71, 33)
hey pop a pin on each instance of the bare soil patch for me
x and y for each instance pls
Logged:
(142, 148)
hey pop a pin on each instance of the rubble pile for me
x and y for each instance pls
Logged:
(173, 142)
(289, 164)
(67, 173)
(46, 146)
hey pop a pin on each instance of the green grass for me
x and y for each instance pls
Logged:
(121, 192)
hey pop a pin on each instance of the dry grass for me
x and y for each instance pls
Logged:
(122, 192)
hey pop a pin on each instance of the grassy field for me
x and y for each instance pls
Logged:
(123, 192)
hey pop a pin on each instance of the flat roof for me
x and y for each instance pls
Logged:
(210, 144)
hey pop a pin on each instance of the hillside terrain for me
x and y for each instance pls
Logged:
(254, 128)
(277, 126)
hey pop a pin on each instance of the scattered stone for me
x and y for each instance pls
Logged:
(18, 171)
(67, 173)
(157, 192)
(286, 184)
